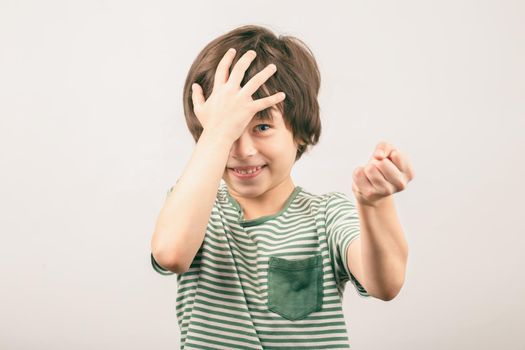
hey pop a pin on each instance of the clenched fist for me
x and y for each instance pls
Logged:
(387, 172)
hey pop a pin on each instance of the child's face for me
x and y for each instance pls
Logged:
(268, 143)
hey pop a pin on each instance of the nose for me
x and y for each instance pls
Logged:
(243, 147)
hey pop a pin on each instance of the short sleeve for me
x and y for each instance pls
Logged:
(342, 227)
(159, 268)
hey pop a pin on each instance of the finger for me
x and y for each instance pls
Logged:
(197, 96)
(402, 163)
(258, 79)
(223, 68)
(363, 185)
(391, 173)
(397, 160)
(268, 101)
(240, 67)
(383, 150)
(377, 180)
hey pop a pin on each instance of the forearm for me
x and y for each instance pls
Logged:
(384, 248)
(182, 222)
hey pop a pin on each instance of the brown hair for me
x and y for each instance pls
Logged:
(297, 76)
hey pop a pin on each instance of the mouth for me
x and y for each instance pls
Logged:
(247, 172)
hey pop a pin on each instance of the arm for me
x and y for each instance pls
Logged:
(180, 227)
(378, 258)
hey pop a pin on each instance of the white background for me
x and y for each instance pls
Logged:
(92, 134)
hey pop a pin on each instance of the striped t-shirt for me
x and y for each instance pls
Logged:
(274, 282)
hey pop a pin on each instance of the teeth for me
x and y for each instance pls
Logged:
(250, 171)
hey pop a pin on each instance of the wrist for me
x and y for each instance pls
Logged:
(376, 203)
(217, 136)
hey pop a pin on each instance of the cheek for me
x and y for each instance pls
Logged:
(279, 152)
(281, 144)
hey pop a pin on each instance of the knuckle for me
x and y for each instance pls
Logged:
(227, 88)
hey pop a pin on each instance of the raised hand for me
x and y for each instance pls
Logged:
(230, 108)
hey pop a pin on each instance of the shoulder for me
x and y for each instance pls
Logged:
(322, 197)
(337, 198)
(314, 201)
(328, 204)
(340, 204)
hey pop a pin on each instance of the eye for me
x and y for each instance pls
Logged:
(263, 125)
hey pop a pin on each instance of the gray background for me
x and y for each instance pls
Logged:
(92, 135)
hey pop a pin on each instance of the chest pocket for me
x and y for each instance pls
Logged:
(295, 287)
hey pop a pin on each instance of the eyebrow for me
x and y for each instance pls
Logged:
(262, 117)
(270, 115)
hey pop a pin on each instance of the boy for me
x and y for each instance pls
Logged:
(262, 263)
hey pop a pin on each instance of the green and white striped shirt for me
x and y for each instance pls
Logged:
(274, 282)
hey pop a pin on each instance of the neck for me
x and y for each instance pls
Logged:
(268, 203)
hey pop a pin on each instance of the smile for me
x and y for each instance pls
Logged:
(247, 174)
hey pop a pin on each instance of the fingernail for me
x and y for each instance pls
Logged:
(380, 153)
